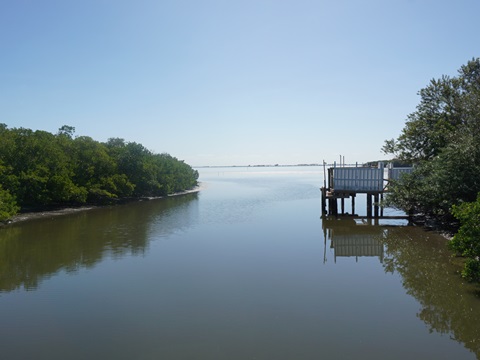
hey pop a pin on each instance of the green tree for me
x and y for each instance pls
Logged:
(8, 205)
(452, 177)
(67, 131)
(92, 166)
(447, 106)
(39, 169)
(442, 139)
(466, 241)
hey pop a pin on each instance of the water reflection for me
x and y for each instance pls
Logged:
(349, 238)
(424, 263)
(33, 251)
(447, 306)
(234, 273)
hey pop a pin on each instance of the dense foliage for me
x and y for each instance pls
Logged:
(442, 139)
(467, 240)
(40, 169)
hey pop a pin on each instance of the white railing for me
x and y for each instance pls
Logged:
(364, 179)
(358, 179)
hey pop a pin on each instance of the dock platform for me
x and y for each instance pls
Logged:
(346, 182)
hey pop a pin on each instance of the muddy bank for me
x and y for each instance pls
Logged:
(32, 215)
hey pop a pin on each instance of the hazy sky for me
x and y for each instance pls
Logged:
(222, 82)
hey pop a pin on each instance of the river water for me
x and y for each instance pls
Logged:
(244, 269)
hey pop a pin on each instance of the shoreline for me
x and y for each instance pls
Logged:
(33, 215)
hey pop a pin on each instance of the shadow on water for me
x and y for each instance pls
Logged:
(447, 305)
(33, 251)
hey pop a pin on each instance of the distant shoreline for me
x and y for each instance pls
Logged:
(250, 166)
(357, 164)
(33, 215)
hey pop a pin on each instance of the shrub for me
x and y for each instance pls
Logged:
(8, 205)
(466, 241)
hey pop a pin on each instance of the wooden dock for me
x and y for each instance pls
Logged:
(343, 183)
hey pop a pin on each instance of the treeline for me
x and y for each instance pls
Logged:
(442, 140)
(39, 169)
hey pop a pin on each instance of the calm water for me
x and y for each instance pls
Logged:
(245, 269)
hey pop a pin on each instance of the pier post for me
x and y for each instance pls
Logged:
(369, 205)
(375, 205)
(353, 204)
(343, 205)
(381, 204)
(334, 206)
(324, 201)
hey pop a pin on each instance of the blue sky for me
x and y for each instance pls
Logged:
(230, 82)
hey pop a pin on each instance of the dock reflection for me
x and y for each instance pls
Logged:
(353, 238)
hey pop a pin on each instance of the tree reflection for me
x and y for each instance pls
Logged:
(35, 250)
(448, 305)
